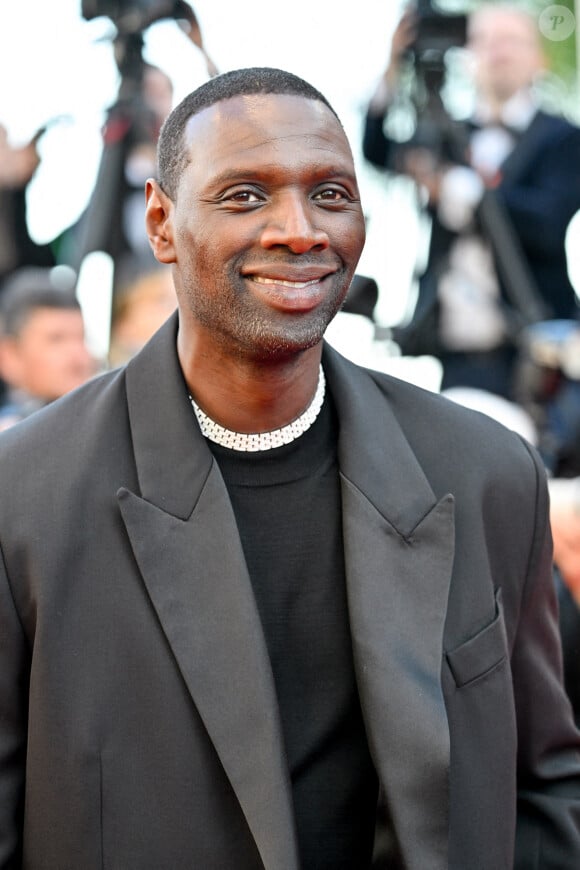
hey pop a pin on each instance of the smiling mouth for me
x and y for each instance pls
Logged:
(295, 296)
(281, 282)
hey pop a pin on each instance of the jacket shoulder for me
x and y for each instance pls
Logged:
(62, 431)
(447, 435)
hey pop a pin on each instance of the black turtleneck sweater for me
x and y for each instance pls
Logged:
(288, 511)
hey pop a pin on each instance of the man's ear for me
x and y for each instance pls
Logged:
(158, 222)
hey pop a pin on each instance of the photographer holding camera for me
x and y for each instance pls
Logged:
(114, 219)
(471, 302)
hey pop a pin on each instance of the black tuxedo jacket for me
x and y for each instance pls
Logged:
(139, 727)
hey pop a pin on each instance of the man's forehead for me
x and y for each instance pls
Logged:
(267, 115)
(488, 21)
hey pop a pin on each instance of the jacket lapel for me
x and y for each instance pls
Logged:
(186, 544)
(399, 544)
(526, 149)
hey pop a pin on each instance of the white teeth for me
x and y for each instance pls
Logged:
(298, 285)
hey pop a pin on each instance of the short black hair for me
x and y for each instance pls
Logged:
(172, 157)
(27, 290)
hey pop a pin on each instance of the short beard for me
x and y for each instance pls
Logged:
(252, 332)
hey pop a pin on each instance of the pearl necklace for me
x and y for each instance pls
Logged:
(262, 440)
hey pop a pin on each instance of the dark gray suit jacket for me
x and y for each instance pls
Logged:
(138, 719)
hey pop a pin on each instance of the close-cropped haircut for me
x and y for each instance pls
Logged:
(173, 157)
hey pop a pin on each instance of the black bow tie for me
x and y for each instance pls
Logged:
(514, 132)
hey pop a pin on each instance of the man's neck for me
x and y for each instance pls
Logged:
(253, 396)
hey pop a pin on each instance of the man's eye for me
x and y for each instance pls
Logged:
(243, 196)
(330, 194)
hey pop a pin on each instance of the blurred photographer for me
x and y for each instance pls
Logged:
(510, 153)
(114, 219)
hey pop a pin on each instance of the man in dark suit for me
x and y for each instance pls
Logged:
(251, 592)
(500, 191)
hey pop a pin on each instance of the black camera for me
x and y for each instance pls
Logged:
(437, 32)
(131, 19)
(135, 16)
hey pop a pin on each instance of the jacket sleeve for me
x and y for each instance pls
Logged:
(541, 206)
(548, 820)
(14, 668)
(376, 147)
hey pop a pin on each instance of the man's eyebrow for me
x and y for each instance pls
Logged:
(236, 174)
(258, 173)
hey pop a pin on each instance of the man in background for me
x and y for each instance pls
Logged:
(511, 156)
(43, 353)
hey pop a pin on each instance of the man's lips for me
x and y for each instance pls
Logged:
(284, 282)
(291, 293)
(289, 273)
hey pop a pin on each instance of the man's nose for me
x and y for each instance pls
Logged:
(291, 224)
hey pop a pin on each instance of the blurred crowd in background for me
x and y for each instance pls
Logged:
(490, 316)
